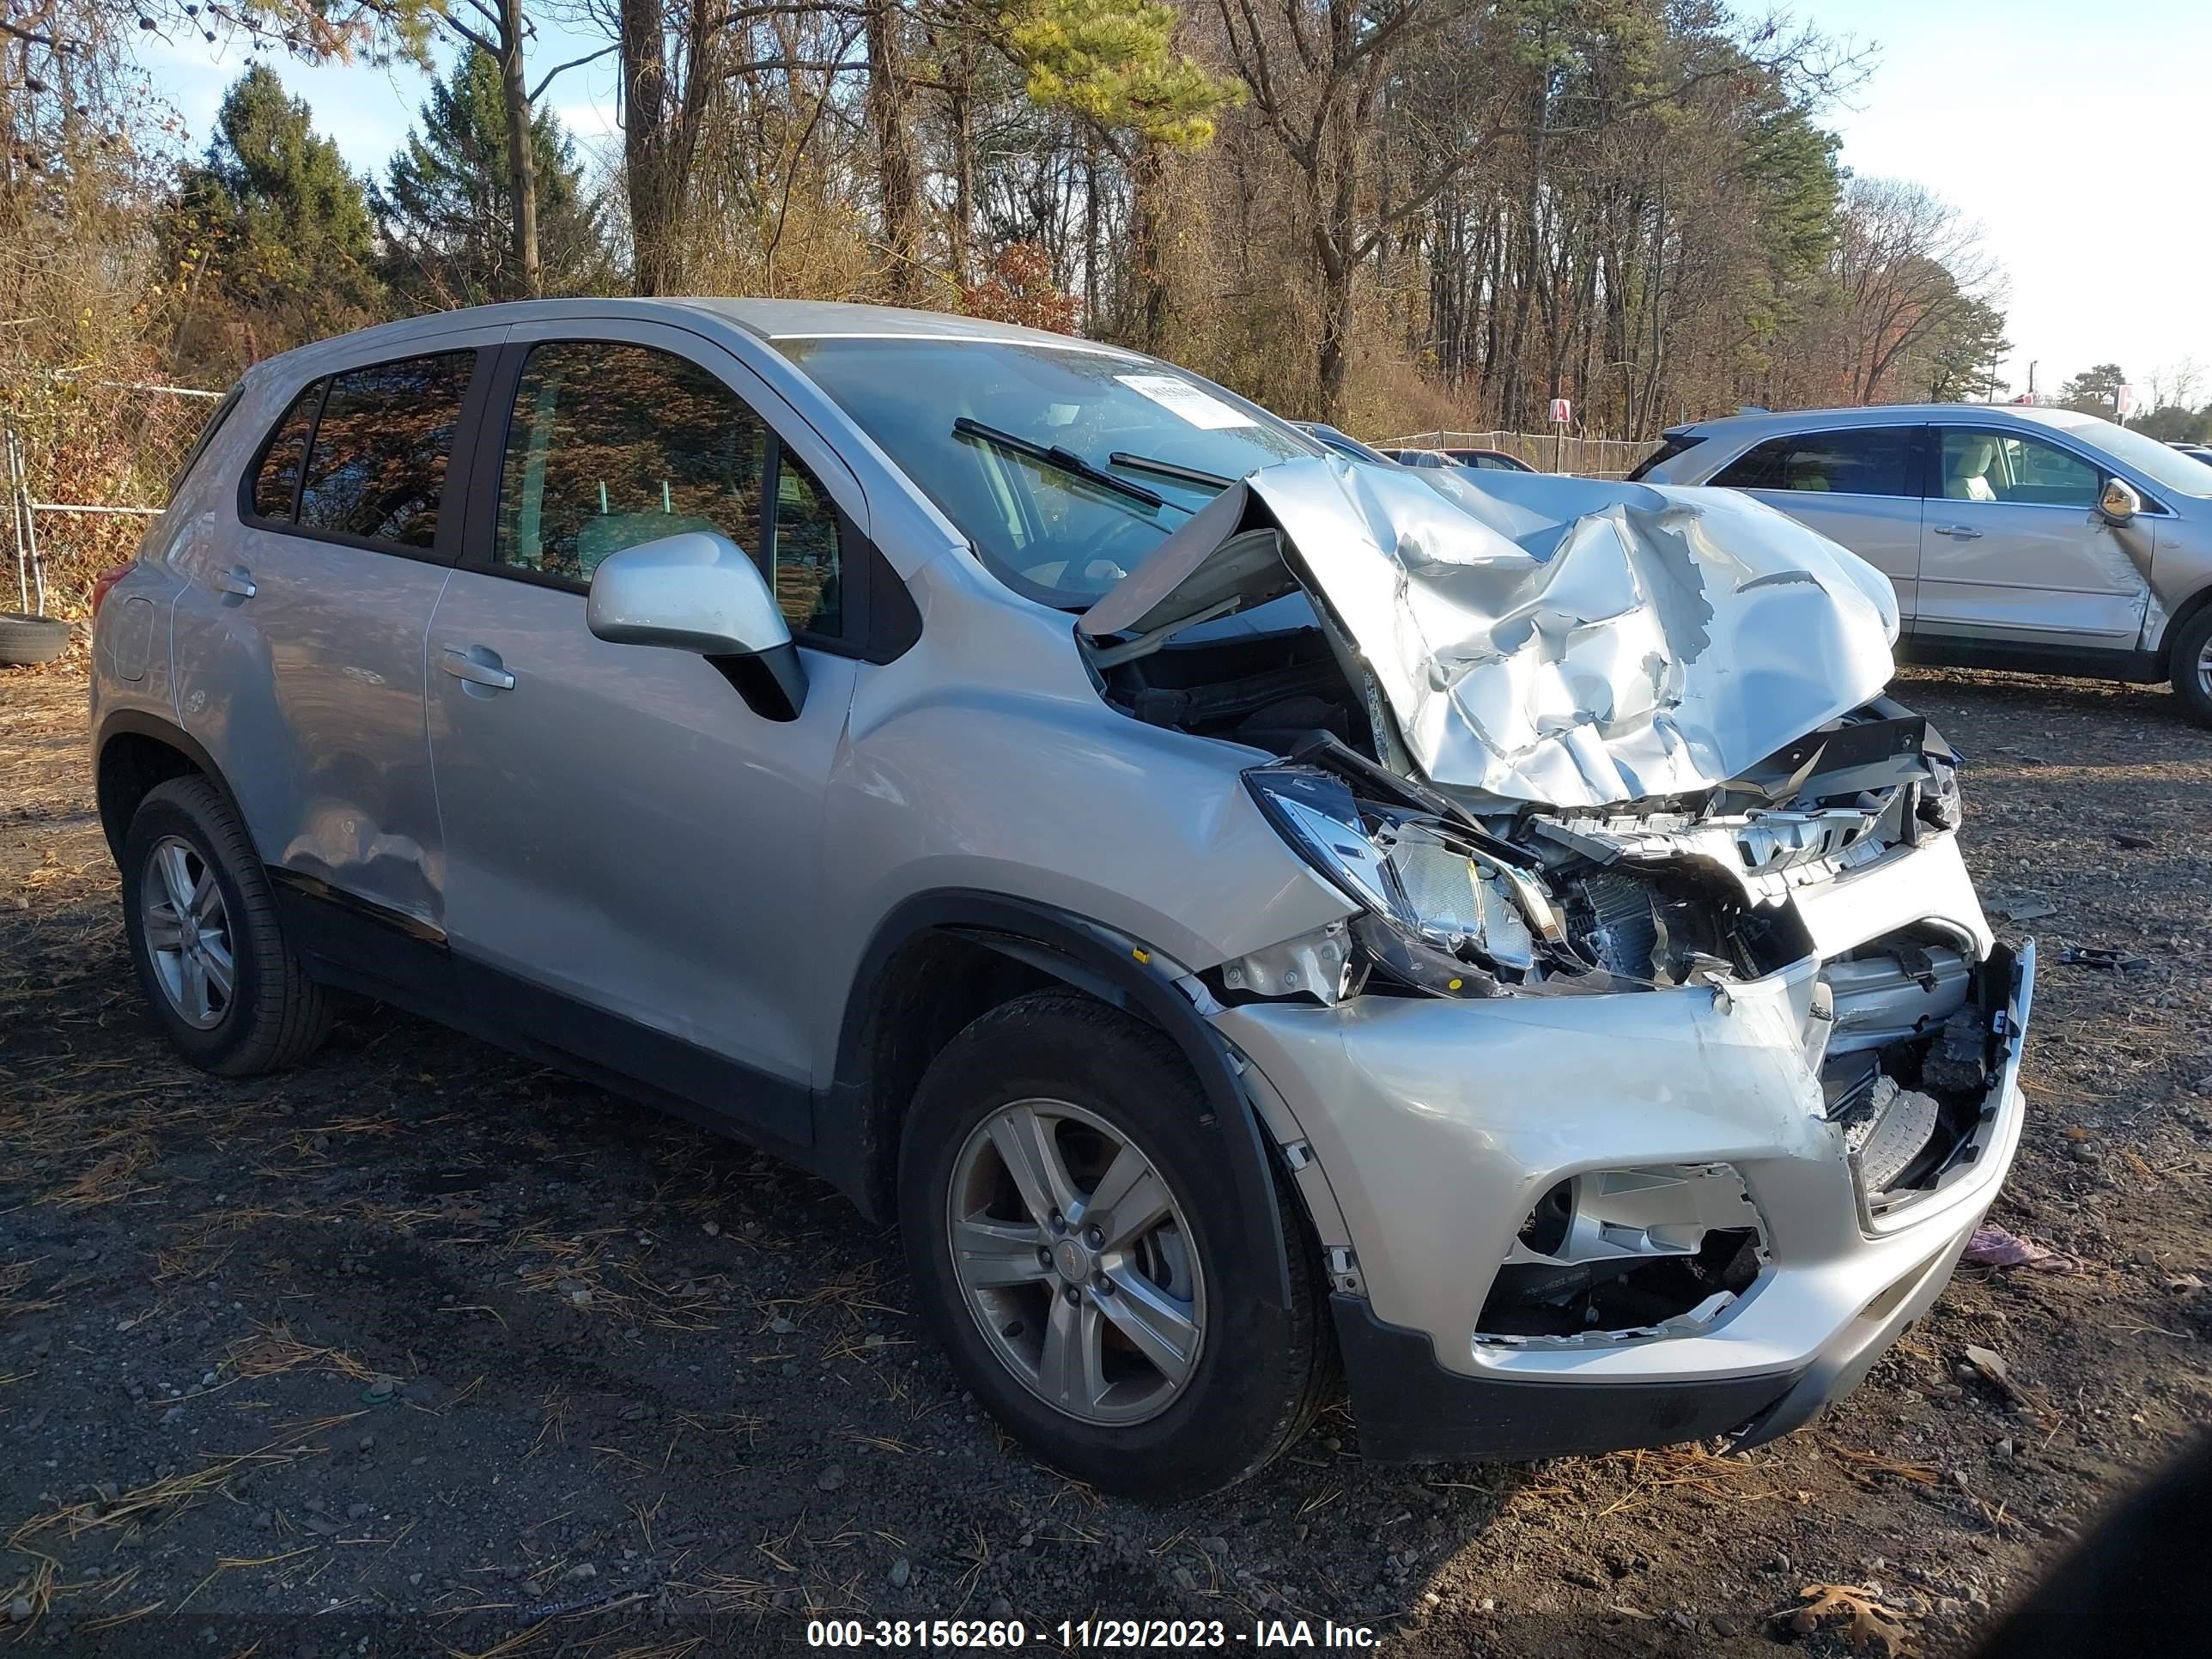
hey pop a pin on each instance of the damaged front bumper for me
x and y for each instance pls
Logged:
(1431, 1130)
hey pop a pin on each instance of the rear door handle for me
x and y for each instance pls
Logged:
(1964, 532)
(479, 665)
(237, 582)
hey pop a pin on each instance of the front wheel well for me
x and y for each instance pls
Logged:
(2183, 615)
(932, 988)
(945, 958)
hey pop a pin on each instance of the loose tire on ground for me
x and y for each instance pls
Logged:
(1260, 1375)
(272, 1016)
(28, 641)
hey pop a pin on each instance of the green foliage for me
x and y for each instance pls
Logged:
(445, 208)
(2094, 391)
(2176, 424)
(1790, 165)
(269, 235)
(1961, 356)
(1114, 62)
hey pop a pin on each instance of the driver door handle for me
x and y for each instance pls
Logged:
(1964, 532)
(238, 582)
(471, 665)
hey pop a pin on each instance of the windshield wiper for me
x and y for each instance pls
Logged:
(1067, 460)
(1169, 470)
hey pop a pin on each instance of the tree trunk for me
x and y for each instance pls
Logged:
(1334, 188)
(649, 172)
(1148, 220)
(960, 119)
(521, 151)
(895, 165)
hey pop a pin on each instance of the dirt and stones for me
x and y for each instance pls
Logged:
(424, 1349)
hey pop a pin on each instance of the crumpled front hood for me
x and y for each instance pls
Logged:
(1561, 641)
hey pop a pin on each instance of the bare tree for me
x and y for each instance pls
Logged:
(1908, 265)
(2175, 384)
(501, 30)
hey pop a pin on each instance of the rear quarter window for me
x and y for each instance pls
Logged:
(277, 474)
(1676, 444)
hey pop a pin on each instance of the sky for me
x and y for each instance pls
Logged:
(2073, 133)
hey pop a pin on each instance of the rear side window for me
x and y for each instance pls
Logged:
(377, 469)
(276, 480)
(1856, 461)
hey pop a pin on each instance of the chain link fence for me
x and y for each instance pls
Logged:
(89, 462)
(1587, 458)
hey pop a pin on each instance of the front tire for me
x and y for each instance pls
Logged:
(2192, 665)
(212, 960)
(1075, 1239)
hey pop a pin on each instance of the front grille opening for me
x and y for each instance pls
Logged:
(1617, 1254)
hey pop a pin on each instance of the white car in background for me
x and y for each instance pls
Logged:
(2016, 537)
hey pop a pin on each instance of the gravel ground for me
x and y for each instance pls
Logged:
(424, 1349)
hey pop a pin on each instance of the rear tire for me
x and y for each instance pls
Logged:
(1104, 1084)
(212, 960)
(2192, 665)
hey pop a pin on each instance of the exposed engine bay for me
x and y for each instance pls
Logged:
(1426, 808)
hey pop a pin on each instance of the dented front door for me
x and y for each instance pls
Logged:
(2015, 551)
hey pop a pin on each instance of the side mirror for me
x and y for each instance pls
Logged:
(698, 591)
(2119, 502)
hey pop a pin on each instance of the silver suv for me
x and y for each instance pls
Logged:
(1240, 909)
(2016, 537)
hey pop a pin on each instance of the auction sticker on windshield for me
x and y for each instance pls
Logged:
(1200, 409)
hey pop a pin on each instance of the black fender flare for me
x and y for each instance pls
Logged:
(140, 722)
(1106, 965)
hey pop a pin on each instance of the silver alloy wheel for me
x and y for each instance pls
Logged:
(2204, 669)
(1076, 1261)
(187, 932)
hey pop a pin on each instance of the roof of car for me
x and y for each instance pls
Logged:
(1796, 419)
(767, 319)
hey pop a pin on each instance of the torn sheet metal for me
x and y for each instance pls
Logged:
(1563, 641)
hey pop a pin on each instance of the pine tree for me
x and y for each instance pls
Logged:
(270, 234)
(445, 207)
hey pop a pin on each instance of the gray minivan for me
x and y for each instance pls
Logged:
(1243, 910)
(2016, 537)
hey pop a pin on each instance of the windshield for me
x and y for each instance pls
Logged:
(2167, 467)
(1042, 528)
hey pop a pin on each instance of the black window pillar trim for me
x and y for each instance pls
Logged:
(500, 374)
(307, 446)
(1092, 957)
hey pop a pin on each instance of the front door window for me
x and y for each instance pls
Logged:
(1981, 465)
(612, 444)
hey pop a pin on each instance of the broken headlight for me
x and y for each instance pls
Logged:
(1435, 903)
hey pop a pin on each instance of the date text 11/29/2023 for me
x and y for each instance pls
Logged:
(1126, 1635)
